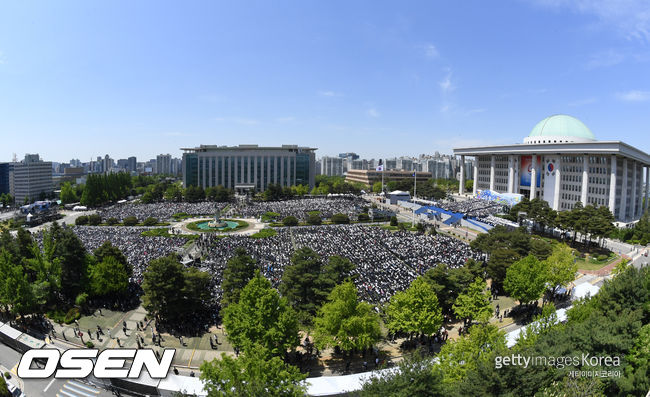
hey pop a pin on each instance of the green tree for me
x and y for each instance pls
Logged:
(337, 270)
(540, 248)
(448, 283)
(94, 219)
(15, 289)
(81, 220)
(254, 373)
(162, 295)
(261, 316)
(130, 221)
(290, 221)
(239, 270)
(68, 194)
(560, 266)
(150, 221)
(173, 193)
(300, 281)
(345, 322)
(314, 219)
(415, 377)
(108, 277)
(415, 310)
(47, 275)
(108, 249)
(474, 304)
(340, 219)
(74, 262)
(463, 355)
(376, 187)
(526, 279)
(393, 220)
(498, 264)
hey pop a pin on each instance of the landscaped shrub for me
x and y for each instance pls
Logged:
(130, 221)
(81, 220)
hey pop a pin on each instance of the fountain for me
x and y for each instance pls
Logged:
(217, 224)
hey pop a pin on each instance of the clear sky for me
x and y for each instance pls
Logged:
(89, 78)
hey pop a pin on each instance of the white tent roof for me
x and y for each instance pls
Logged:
(186, 384)
(584, 289)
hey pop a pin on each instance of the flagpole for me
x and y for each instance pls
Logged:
(415, 190)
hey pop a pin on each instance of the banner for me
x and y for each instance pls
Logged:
(526, 168)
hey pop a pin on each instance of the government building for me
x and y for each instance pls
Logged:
(248, 167)
(561, 162)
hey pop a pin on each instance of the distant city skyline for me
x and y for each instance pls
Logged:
(382, 79)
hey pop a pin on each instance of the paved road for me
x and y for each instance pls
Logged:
(51, 387)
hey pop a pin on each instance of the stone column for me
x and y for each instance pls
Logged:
(623, 213)
(210, 160)
(475, 189)
(612, 186)
(647, 187)
(558, 184)
(633, 200)
(492, 171)
(533, 176)
(511, 174)
(585, 179)
(461, 185)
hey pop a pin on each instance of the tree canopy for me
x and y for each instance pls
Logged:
(415, 310)
(526, 279)
(261, 316)
(345, 322)
(474, 304)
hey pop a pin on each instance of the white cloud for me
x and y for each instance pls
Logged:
(237, 120)
(372, 112)
(430, 51)
(245, 121)
(605, 59)
(329, 93)
(473, 111)
(633, 96)
(584, 101)
(446, 86)
(630, 17)
(285, 119)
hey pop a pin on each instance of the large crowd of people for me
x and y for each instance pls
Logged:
(351, 206)
(160, 211)
(385, 262)
(139, 250)
(473, 207)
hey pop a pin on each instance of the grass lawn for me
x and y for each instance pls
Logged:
(194, 226)
(591, 263)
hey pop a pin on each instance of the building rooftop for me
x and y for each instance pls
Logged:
(204, 148)
(562, 125)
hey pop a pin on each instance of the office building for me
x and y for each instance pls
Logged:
(561, 162)
(30, 178)
(163, 164)
(331, 166)
(248, 167)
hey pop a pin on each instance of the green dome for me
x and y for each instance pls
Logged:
(561, 125)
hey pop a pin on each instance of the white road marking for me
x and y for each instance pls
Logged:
(48, 385)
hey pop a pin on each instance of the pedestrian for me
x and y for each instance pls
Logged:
(365, 365)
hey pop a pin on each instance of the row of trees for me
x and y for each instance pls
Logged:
(638, 234)
(103, 188)
(615, 323)
(63, 273)
(6, 199)
(590, 221)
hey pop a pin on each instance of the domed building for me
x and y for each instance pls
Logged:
(561, 162)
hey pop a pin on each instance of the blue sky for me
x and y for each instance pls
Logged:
(82, 79)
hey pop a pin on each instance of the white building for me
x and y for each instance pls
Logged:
(331, 166)
(248, 167)
(566, 164)
(30, 178)
(164, 164)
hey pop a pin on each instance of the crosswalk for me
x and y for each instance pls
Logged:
(76, 389)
